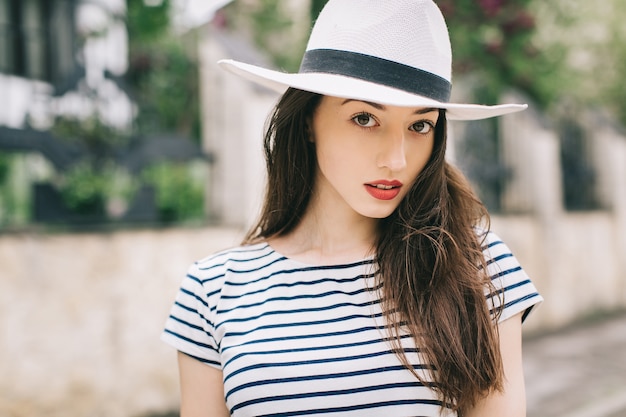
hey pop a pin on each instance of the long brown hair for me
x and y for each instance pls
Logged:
(428, 252)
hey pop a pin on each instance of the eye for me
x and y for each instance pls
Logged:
(423, 127)
(364, 120)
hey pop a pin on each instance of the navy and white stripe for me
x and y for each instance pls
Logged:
(295, 339)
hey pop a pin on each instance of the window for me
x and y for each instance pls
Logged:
(36, 39)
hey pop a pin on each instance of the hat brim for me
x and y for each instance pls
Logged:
(348, 87)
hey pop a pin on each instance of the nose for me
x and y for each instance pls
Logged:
(392, 153)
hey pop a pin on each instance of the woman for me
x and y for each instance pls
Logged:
(371, 285)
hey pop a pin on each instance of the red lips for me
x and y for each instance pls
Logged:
(384, 189)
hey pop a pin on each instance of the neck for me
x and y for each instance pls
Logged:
(329, 233)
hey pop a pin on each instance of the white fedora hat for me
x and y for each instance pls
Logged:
(394, 52)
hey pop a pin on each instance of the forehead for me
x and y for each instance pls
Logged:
(339, 102)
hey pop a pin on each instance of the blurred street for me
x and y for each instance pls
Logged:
(578, 371)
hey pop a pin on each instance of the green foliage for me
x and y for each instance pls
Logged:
(5, 166)
(121, 185)
(179, 196)
(590, 40)
(271, 29)
(7, 206)
(84, 189)
(97, 138)
(612, 84)
(163, 73)
(316, 8)
(18, 170)
(494, 40)
(146, 23)
(88, 185)
(166, 84)
(270, 24)
(615, 93)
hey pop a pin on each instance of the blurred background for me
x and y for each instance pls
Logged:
(126, 154)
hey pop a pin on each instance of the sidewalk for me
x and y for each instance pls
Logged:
(578, 372)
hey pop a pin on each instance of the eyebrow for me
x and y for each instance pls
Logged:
(383, 107)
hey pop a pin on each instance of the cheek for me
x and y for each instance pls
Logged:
(333, 159)
(338, 151)
(420, 156)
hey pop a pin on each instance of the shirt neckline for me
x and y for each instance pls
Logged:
(368, 260)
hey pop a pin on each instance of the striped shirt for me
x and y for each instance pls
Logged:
(294, 339)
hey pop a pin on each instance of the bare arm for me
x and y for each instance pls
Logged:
(201, 389)
(511, 402)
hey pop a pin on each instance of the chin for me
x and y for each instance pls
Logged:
(378, 212)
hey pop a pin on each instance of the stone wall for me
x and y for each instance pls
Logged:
(80, 318)
(576, 262)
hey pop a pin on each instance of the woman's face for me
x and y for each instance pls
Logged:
(369, 154)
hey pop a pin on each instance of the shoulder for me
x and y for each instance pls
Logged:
(508, 277)
(236, 258)
(493, 247)
(193, 317)
(205, 279)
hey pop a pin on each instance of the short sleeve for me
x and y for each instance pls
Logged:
(514, 289)
(190, 326)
